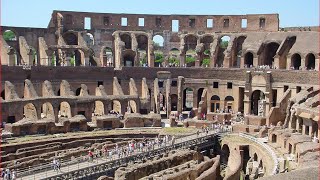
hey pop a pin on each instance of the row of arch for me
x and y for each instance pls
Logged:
(64, 109)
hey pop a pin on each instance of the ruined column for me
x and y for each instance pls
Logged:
(168, 97)
(182, 52)
(118, 50)
(134, 47)
(150, 51)
(180, 93)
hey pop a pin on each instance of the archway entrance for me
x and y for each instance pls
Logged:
(128, 60)
(174, 102)
(248, 60)
(296, 61)
(269, 53)
(215, 103)
(257, 99)
(310, 62)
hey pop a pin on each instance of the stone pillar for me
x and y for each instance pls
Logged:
(297, 125)
(289, 62)
(317, 64)
(134, 47)
(150, 51)
(180, 94)
(276, 61)
(255, 61)
(168, 98)
(56, 114)
(304, 129)
(310, 130)
(117, 50)
(182, 58)
(303, 63)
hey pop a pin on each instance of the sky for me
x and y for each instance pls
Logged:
(37, 13)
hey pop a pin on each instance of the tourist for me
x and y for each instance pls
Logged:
(90, 155)
(58, 165)
(54, 163)
(13, 175)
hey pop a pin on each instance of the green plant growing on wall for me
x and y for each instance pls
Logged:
(9, 36)
(73, 60)
(190, 59)
(173, 60)
(206, 62)
(53, 60)
(158, 57)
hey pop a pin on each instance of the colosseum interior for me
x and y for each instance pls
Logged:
(207, 97)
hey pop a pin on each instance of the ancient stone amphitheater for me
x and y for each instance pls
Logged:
(95, 81)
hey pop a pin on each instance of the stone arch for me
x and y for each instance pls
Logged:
(47, 111)
(310, 61)
(188, 99)
(70, 38)
(133, 106)
(190, 41)
(191, 57)
(270, 51)
(89, 39)
(128, 58)
(142, 41)
(98, 108)
(9, 35)
(206, 40)
(296, 61)
(248, 59)
(158, 41)
(30, 111)
(237, 51)
(225, 153)
(256, 97)
(116, 106)
(214, 103)
(224, 41)
(65, 110)
(174, 102)
(107, 57)
(126, 38)
(229, 103)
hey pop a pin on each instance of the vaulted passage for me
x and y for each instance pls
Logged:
(310, 62)
(296, 61)
(270, 53)
(248, 59)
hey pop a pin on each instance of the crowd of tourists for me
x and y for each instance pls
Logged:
(8, 174)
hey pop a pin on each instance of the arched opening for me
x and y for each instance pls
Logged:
(200, 91)
(255, 157)
(89, 39)
(107, 57)
(158, 42)
(70, 39)
(126, 38)
(142, 41)
(174, 102)
(257, 99)
(78, 91)
(225, 153)
(64, 110)
(191, 57)
(9, 35)
(98, 108)
(270, 53)
(174, 57)
(296, 61)
(215, 103)
(310, 61)
(190, 42)
(128, 60)
(248, 60)
(30, 111)
(206, 54)
(116, 106)
(47, 111)
(3, 95)
(223, 45)
(58, 92)
(237, 52)
(133, 106)
(187, 99)
(228, 103)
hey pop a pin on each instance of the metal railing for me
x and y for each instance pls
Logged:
(82, 167)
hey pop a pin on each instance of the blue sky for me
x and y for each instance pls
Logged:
(37, 13)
